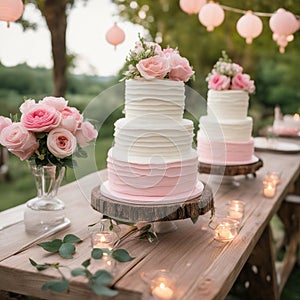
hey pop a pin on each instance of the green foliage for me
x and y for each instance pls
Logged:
(97, 281)
(64, 247)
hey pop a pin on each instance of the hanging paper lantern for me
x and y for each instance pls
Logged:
(11, 10)
(283, 24)
(191, 6)
(115, 35)
(211, 15)
(249, 26)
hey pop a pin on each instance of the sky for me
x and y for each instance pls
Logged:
(87, 26)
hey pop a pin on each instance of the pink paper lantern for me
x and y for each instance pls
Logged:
(249, 26)
(211, 15)
(115, 35)
(283, 22)
(11, 10)
(191, 6)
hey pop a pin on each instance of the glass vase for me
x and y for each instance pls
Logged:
(46, 210)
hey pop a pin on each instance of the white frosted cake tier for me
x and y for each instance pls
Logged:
(166, 138)
(226, 130)
(227, 105)
(151, 98)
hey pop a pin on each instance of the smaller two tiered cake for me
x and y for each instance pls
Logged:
(225, 133)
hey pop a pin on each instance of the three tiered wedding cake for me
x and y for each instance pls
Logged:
(152, 159)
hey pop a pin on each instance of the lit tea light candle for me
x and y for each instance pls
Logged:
(269, 189)
(226, 230)
(236, 210)
(102, 240)
(163, 287)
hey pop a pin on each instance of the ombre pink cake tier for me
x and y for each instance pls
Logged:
(225, 153)
(152, 182)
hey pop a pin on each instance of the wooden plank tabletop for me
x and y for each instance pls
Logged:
(206, 268)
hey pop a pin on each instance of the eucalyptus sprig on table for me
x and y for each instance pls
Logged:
(97, 281)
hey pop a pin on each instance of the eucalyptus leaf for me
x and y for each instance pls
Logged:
(194, 219)
(121, 255)
(97, 253)
(56, 285)
(67, 250)
(52, 246)
(103, 290)
(86, 263)
(71, 238)
(102, 277)
(79, 272)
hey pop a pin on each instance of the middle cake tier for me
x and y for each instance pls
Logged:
(153, 160)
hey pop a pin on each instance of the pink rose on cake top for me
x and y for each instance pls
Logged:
(225, 133)
(152, 159)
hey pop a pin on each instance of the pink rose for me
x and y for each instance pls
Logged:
(41, 117)
(242, 82)
(69, 123)
(86, 133)
(74, 113)
(18, 140)
(4, 122)
(27, 105)
(218, 82)
(180, 68)
(59, 103)
(61, 142)
(153, 67)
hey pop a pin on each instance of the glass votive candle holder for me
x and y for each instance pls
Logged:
(163, 286)
(103, 239)
(273, 176)
(236, 209)
(269, 189)
(226, 230)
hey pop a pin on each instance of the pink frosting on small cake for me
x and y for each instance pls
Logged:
(225, 153)
(128, 179)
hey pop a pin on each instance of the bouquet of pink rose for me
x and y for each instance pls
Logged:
(227, 75)
(49, 132)
(149, 61)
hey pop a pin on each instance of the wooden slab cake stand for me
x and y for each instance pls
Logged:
(154, 212)
(230, 170)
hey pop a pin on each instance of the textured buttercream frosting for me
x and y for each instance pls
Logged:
(225, 134)
(152, 158)
(151, 98)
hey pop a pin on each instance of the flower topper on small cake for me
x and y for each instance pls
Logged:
(227, 75)
(49, 132)
(149, 61)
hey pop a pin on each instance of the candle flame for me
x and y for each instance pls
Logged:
(162, 285)
(296, 117)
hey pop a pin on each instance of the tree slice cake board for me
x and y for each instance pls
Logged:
(230, 170)
(154, 212)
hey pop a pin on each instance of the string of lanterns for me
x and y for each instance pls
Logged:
(282, 22)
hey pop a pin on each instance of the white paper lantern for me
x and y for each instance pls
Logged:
(249, 26)
(211, 15)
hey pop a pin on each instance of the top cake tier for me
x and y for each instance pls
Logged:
(227, 105)
(154, 98)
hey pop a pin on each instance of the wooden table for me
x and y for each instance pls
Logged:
(206, 268)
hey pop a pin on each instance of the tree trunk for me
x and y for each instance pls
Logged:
(54, 12)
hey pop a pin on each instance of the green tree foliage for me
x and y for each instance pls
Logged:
(274, 73)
